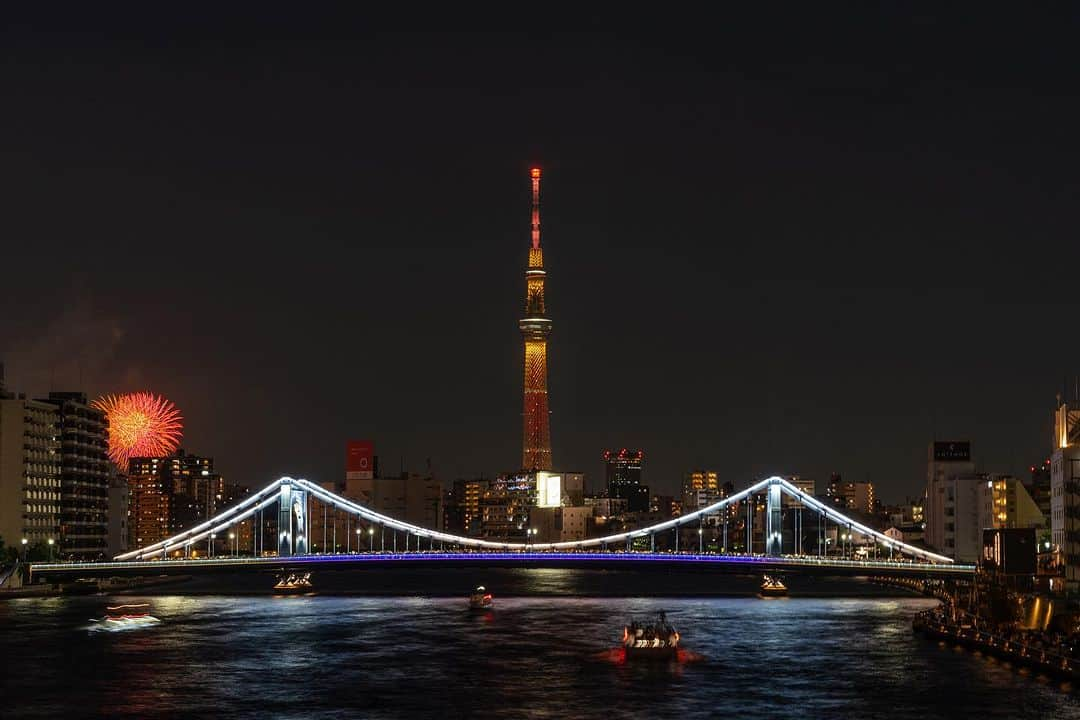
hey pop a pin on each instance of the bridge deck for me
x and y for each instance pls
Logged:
(730, 563)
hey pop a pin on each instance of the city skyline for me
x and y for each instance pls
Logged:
(760, 308)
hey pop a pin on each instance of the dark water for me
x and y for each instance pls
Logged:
(532, 657)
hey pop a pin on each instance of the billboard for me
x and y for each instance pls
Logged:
(548, 489)
(359, 460)
(952, 451)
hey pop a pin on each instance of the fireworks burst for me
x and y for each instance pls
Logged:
(140, 425)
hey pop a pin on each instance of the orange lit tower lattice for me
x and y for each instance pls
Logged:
(535, 328)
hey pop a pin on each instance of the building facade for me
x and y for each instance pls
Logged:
(954, 505)
(119, 514)
(462, 508)
(1037, 484)
(851, 495)
(149, 519)
(1007, 505)
(30, 490)
(84, 477)
(1065, 493)
(622, 473)
(410, 497)
(170, 494)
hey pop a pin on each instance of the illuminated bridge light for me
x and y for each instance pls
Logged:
(576, 549)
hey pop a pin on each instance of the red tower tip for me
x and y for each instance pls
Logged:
(535, 172)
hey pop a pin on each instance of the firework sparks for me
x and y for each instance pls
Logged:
(140, 425)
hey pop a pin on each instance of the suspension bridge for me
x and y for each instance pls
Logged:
(289, 498)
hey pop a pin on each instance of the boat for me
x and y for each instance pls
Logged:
(294, 583)
(124, 617)
(657, 640)
(772, 587)
(480, 599)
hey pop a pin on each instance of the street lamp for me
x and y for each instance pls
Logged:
(26, 556)
(51, 542)
(236, 544)
(370, 538)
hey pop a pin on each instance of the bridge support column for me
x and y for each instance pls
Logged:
(774, 528)
(292, 522)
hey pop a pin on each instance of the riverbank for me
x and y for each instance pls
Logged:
(1014, 648)
(111, 586)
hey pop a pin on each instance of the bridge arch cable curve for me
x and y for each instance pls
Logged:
(270, 495)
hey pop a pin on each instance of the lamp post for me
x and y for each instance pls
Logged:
(370, 538)
(700, 541)
(51, 543)
(26, 550)
(236, 544)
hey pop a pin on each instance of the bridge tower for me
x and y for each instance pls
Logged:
(535, 328)
(774, 528)
(292, 521)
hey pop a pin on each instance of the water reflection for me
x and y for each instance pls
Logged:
(528, 657)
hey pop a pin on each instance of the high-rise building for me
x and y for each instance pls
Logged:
(119, 514)
(170, 494)
(535, 328)
(622, 471)
(505, 506)
(1037, 485)
(665, 506)
(1006, 504)
(30, 491)
(150, 502)
(954, 504)
(462, 507)
(701, 488)
(84, 477)
(1065, 493)
(198, 493)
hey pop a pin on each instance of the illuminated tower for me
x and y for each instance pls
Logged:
(535, 328)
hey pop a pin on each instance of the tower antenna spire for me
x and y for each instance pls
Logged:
(534, 173)
(535, 328)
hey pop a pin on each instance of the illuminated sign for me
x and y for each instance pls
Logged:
(952, 451)
(548, 490)
(358, 460)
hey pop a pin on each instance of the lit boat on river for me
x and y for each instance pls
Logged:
(480, 599)
(294, 583)
(126, 617)
(773, 587)
(651, 641)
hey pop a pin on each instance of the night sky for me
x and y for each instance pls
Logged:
(792, 242)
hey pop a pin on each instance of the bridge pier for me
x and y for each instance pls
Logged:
(774, 528)
(292, 521)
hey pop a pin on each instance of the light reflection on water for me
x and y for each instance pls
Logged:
(532, 657)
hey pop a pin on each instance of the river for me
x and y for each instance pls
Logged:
(539, 654)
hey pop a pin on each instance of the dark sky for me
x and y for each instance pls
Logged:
(790, 242)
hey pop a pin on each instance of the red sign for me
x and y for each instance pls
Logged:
(359, 463)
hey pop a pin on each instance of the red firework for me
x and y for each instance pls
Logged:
(140, 425)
